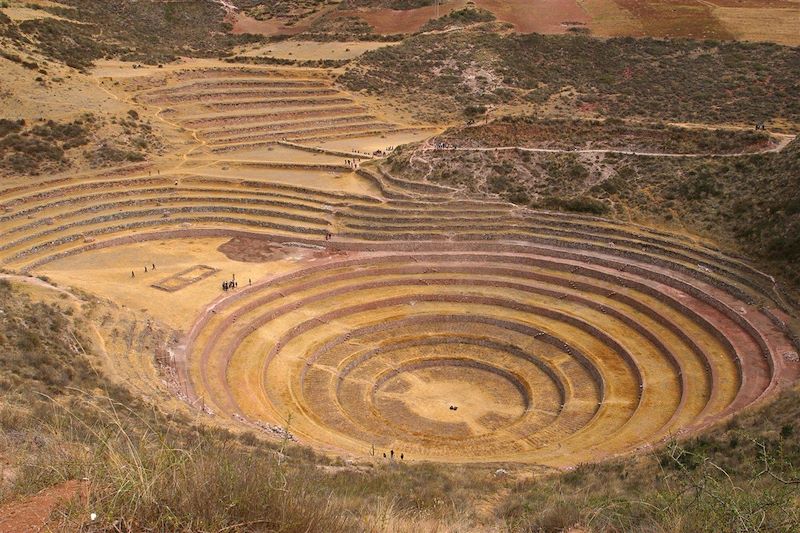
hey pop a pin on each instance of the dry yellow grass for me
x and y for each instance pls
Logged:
(610, 19)
(750, 21)
(19, 14)
(108, 273)
(312, 50)
(778, 25)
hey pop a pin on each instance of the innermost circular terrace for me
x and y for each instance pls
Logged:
(450, 397)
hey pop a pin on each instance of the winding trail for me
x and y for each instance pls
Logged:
(784, 141)
(227, 6)
(31, 280)
(157, 115)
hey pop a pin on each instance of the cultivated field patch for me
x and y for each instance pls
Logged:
(540, 16)
(313, 50)
(770, 24)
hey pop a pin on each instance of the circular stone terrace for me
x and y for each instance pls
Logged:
(379, 313)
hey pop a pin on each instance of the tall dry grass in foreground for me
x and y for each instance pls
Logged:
(148, 474)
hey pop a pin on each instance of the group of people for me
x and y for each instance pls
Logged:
(454, 408)
(153, 266)
(226, 285)
(354, 163)
(391, 455)
(382, 153)
(233, 284)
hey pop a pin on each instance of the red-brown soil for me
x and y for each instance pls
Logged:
(540, 16)
(243, 24)
(543, 16)
(676, 18)
(32, 514)
(248, 250)
(388, 21)
(754, 3)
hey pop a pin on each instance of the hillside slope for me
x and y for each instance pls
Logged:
(578, 75)
(748, 203)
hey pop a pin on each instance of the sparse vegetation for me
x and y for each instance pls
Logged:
(39, 347)
(390, 4)
(50, 145)
(459, 18)
(749, 202)
(573, 134)
(738, 478)
(289, 11)
(568, 74)
(39, 147)
(339, 27)
(75, 45)
(148, 32)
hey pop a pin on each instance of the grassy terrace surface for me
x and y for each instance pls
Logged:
(599, 338)
(600, 385)
(623, 77)
(233, 110)
(162, 470)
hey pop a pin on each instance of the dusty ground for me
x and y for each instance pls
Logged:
(313, 50)
(245, 24)
(108, 272)
(540, 16)
(756, 20)
(65, 96)
(33, 514)
(19, 14)
(761, 21)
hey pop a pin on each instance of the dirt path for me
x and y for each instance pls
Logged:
(227, 6)
(30, 280)
(157, 115)
(784, 141)
(32, 514)
(425, 147)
